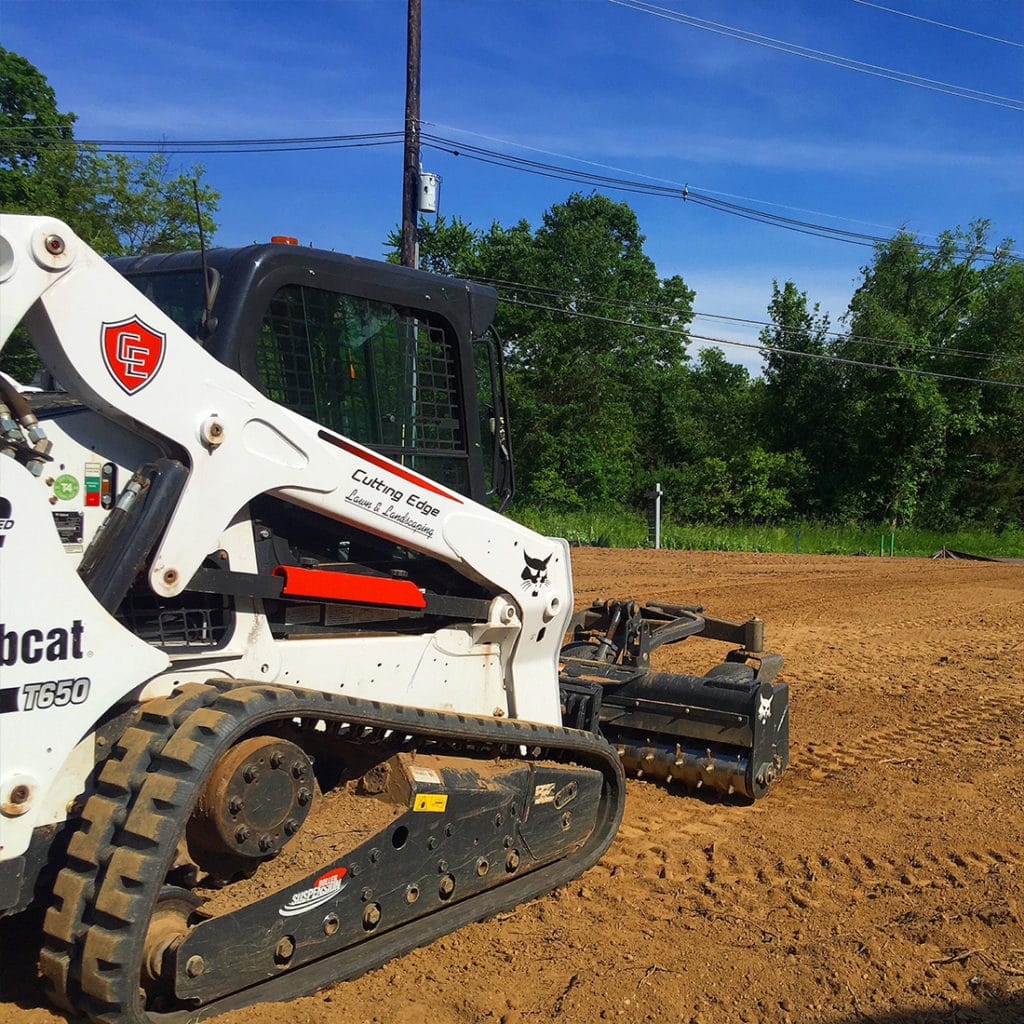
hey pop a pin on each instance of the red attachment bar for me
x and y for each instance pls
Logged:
(347, 586)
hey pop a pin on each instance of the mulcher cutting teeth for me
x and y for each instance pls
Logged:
(727, 730)
(289, 465)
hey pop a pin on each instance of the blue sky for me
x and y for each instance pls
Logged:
(566, 81)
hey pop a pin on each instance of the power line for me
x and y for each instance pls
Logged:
(820, 356)
(823, 57)
(649, 177)
(865, 339)
(15, 136)
(686, 194)
(478, 153)
(499, 159)
(940, 24)
(22, 135)
(669, 310)
(861, 339)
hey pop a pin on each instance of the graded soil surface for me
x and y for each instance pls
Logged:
(881, 880)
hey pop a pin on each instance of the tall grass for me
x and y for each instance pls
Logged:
(629, 530)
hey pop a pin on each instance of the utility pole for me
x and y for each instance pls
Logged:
(410, 178)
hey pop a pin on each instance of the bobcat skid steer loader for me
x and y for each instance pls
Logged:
(282, 694)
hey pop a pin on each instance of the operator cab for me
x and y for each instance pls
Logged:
(402, 361)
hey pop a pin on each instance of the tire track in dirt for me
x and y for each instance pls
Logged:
(977, 731)
(942, 627)
(740, 880)
(882, 879)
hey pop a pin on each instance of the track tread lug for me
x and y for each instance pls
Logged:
(131, 828)
(67, 922)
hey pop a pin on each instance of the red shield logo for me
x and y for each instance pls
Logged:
(132, 352)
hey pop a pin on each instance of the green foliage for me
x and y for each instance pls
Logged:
(624, 529)
(903, 447)
(579, 388)
(607, 405)
(29, 123)
(752, 486)
(801, 402)
(445, 247)
(709, 460)
(118, 205)
(19, 359)
(585, 395)
(923, 440)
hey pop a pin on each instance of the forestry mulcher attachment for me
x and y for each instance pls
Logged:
(282, 694)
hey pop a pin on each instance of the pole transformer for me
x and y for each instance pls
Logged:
(410, 178)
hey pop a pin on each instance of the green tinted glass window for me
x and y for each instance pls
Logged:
(382, 376)
(361, 368)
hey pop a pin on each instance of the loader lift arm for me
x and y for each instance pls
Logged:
(281, 592)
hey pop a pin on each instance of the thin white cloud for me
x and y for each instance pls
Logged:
(745, 293)
(781, 153)
(640, 147)
(155, 119)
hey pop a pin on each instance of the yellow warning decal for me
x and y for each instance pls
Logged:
(430, 802)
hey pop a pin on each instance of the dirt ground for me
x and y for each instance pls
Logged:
(882, 880)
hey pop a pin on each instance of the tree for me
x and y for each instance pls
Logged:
(710, 460)
(801, 398)
(983, 477)
(909, 311)
(907, 431)
(29, 122)
(150, 209)
(605, 402)
(594, 339)
(117, 205)
(589, 359)
(445, 247)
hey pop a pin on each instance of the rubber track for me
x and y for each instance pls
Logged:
(104, 814)
(131, 829)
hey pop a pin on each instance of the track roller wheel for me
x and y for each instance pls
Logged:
(126, 945)
(172, 917)
(256, 799)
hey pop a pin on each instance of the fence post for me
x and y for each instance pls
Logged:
(654, 516)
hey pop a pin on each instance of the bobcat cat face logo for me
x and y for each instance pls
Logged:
(535, 574)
